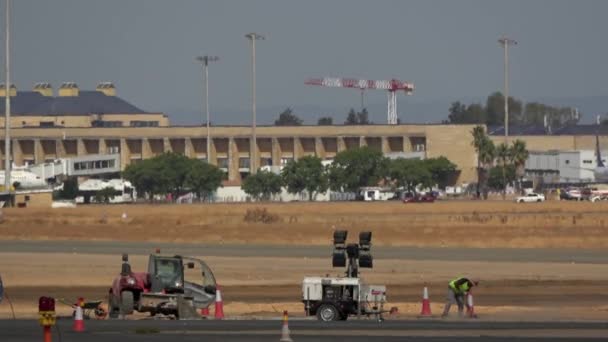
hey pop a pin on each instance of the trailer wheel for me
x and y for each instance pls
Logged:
(126, 302)
(328, 313)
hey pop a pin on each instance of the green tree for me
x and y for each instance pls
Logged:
(357, 118)
(204, 179)
(519, 154)
(476, 113)
(178, 167)
(70, 189)
(306, 174)
(325, 121)
(287, 118)
(503, 157)
(145, 177)
(462, 114)
(363, 117)
(495, 110)
(440, 169)
(351, 118)
(499, 177)
(409, 173)
(356, 168)
(532, 113)
(104, 195)
(457, 112)
(535, 114)
(485, 154)
(495, 107)
(262, 185)
(479, 134)
(163, 174)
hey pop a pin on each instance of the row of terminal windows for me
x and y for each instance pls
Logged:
(101, 123)
(94, 164)
(585, 161)
(244, 162)
(134, 123)
(137, 123)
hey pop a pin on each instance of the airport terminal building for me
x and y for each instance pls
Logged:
(76, 123)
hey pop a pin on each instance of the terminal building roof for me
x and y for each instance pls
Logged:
(32, 103)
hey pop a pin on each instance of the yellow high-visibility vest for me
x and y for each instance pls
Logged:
(459, 289)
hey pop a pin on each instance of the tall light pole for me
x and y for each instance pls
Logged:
(505, 42)
(7, 102)
(204, 60)
(253, 145)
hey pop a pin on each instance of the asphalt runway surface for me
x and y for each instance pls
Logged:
(307, 330)
(406, 253)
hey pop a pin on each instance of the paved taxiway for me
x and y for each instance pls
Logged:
(307, 330)
(380, 252)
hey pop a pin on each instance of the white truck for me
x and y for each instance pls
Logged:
(333, 299)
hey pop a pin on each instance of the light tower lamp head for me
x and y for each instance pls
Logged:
(504, 40)
(254, 36)
(206, 59)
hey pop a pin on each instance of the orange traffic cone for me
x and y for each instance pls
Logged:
(470, 306)
(78, 319)
(285, 330)
(219, 304)
(426, 304)
(205, 312)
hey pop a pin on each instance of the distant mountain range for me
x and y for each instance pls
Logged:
(409, 111)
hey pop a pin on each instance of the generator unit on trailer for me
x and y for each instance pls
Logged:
(336, 298)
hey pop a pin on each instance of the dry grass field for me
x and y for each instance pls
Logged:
(449, 223)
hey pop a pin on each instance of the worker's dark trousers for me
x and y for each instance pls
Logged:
(454, 298)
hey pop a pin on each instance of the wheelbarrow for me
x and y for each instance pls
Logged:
(89, 308)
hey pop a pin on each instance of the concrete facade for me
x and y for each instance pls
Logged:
(230, 145)
(124, 120)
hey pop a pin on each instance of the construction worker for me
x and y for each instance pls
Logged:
(457, 291)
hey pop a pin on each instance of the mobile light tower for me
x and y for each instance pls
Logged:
(505, 42)
(253, 145)
(7, 102)
(204, 60)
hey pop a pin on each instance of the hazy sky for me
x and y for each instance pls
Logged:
(448, 49)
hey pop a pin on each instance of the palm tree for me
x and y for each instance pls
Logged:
(479, 137)
(487, 153)
(519, 155)
(503, 154)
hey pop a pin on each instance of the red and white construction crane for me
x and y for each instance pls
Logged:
(392, 86)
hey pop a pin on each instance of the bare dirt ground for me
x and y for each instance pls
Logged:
(484, 224)
(266, 286)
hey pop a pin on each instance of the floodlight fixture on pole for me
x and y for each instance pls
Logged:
(7, 100)
(253, 144)
(505, 42)
(352, 255)
(204, 60)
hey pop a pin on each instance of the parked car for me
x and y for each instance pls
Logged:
(418, 198)
(531, 197)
